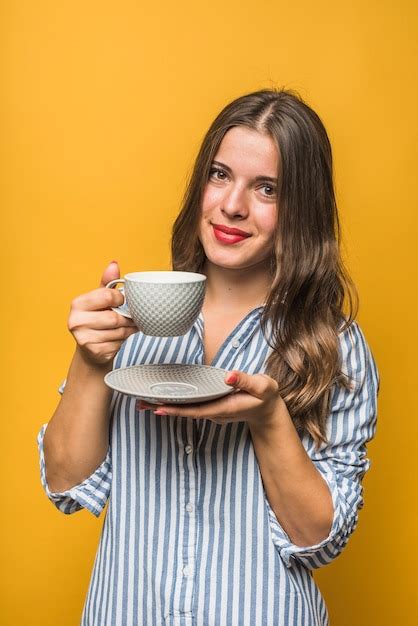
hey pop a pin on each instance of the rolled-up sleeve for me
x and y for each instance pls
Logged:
(91, 494)
(342, 462)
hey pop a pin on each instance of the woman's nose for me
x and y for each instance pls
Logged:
(235, 203)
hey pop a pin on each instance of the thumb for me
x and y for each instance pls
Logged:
(258, 385)
(232, 378)
(111, 272)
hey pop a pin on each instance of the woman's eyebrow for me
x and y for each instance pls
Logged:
(256, 179)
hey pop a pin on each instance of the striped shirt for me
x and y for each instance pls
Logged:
(189, 537)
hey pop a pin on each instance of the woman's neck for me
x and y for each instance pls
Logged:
(236, 290)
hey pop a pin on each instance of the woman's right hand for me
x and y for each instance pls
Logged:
(99, 331)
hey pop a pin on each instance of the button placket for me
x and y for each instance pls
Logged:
(187, 571)
(188, 494)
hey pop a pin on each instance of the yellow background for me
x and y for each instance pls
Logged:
(103, 107)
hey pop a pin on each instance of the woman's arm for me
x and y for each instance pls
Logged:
(342, 461)
(298, 495)
(76, 440)
(77, 437)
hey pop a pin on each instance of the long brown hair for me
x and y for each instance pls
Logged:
(309, 285)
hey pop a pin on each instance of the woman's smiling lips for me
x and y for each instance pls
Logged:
(229, 235)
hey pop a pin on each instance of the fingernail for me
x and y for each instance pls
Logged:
(112, 262)
(232, 379)
(160, 412)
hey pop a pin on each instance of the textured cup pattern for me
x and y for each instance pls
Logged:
(164, 310)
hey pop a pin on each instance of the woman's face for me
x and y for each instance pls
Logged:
(241, 193)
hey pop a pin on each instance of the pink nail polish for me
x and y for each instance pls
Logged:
(160, 412)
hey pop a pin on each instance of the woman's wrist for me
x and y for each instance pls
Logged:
(274, 420)
(91, 367)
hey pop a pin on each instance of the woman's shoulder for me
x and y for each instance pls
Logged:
(356, 355)
(351, 335)
(351, 332)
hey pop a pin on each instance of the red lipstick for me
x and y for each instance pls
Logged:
(224, 235)
(231, 231)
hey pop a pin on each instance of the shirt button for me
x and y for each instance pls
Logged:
(235, 343)
(188, 449)
(186, 570)
(189, 507)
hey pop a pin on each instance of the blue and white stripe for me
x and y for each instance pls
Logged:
(189, 537)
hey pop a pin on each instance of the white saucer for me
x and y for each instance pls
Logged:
(171, 383)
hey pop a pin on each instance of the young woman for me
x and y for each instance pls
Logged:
(218, 512)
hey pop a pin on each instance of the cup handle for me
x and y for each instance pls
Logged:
(119, 310)
(112, 283)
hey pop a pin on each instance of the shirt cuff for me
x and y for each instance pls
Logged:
(91, 494)
(317, 554)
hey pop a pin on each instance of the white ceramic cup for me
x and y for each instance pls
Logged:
(162, 304)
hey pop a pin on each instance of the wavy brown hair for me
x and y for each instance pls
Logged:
(312, 298)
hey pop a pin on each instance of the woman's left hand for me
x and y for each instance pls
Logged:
(256, 400)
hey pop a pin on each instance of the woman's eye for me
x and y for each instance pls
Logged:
(272, 191)
(214, 170)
